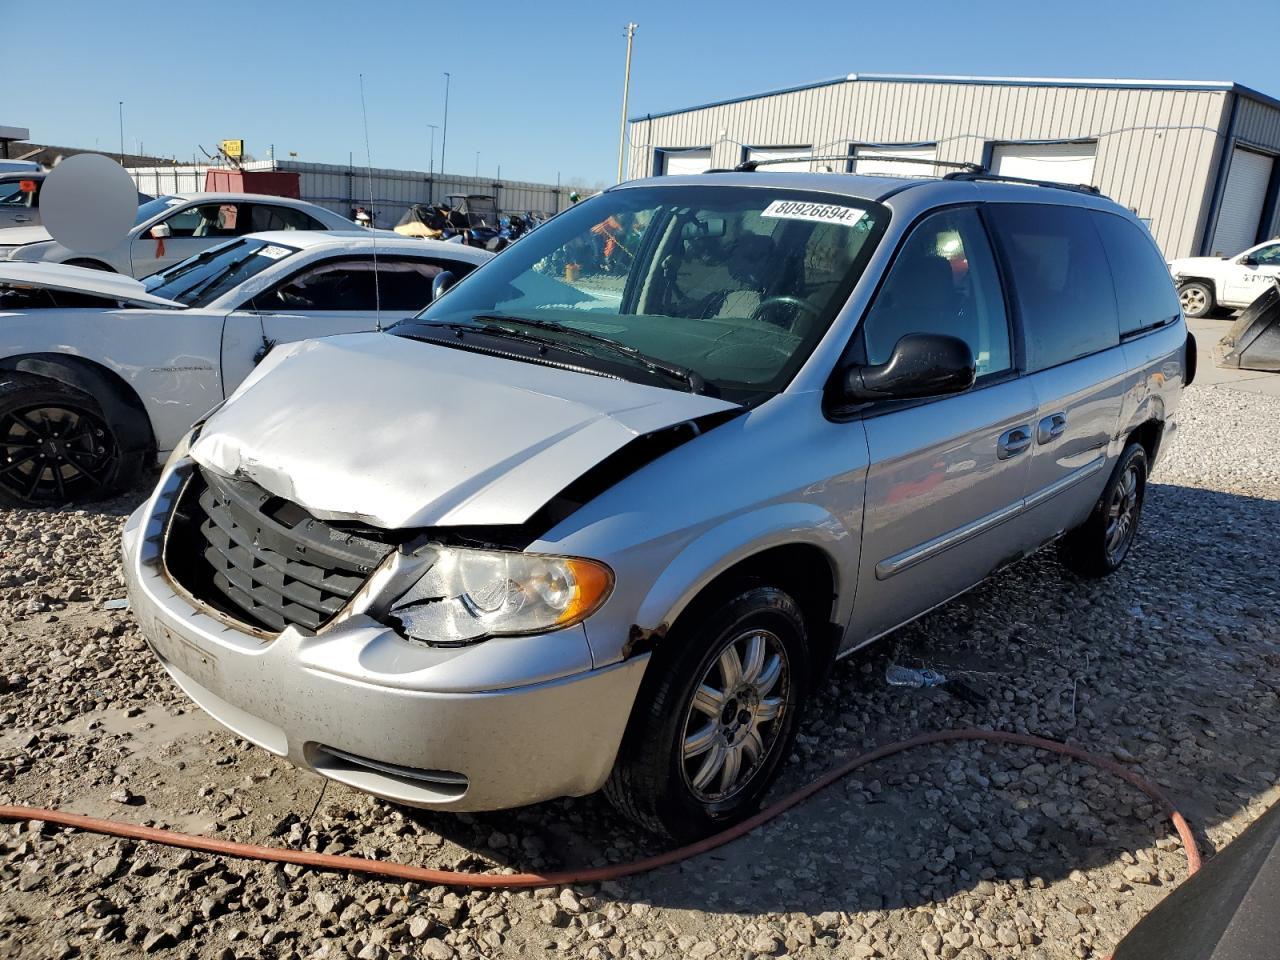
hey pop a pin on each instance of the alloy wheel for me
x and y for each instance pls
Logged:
(1122, 514)
(54, 453)
(1193, 300)
(734, 721)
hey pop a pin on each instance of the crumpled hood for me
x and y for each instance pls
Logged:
(400, 433)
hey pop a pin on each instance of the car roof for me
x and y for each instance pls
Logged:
(364, 241)
(225, 196)
(915, 192)
(23, 174)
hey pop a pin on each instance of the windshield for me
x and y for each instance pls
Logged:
(199, 280)
(735, 285)
(154, 208)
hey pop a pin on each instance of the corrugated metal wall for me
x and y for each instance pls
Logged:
(340, 188)
(1258, 126)
(1156, 148)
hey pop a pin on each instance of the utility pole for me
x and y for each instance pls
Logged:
(444, 135)
(120, 105)
(431, 170)
(477, 164)
(626, 91)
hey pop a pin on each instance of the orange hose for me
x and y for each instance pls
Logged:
(511, 881)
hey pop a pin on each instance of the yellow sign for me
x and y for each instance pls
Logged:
(233, 148)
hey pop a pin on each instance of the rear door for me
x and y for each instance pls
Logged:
(338, 295)
(947, 475)
(1066, 304)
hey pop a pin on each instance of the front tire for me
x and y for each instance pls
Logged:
(1099, 546)
(1197, 299)
(716, 716)
(56, 446)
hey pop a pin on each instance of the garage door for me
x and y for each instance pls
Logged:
(1242, 201)
(686, 161)
(864, 161)
(1055, 162)
(793, 158)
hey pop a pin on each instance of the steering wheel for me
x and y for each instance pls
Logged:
(769, 303)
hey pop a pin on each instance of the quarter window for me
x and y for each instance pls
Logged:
(944, 280)
(1061, 281)
(1144, 290)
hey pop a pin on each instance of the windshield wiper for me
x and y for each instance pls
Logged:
(230, 271)
(691, 378)
(507, 332)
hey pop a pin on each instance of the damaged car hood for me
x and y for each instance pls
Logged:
(400, 433)
(69, 279)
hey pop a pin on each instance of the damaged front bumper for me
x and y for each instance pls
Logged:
(502, 723)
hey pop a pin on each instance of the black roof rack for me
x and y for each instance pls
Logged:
(1000, 178)
(749, 166)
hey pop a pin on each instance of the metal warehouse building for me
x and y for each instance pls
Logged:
(1195, 159)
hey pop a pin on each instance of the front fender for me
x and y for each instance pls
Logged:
(743, 536)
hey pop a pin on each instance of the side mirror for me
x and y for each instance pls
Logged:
(441, 284)
(921, 365)
(160, 231)
(1249, 261)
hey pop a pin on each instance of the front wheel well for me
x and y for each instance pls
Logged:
(90, 263)
(1213, 287)
(802, 570)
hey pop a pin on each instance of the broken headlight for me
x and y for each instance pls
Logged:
(468, 595)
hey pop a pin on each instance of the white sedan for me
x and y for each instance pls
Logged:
(100, 373)
(1205, 283)
(169, 229)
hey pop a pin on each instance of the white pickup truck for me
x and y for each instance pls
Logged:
(1205, 283)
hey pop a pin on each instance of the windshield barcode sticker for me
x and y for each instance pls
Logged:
(817, 212)
(274, 253)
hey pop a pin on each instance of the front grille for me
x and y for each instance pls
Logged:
(263, 559)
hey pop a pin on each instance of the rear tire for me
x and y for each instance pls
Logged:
(710, 728)
(1099, 546)
(56, 446)
(1197, 299)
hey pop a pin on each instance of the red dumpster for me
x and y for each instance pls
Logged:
(276, 183)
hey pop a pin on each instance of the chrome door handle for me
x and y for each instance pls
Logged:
(1013, 442)
(1051, 428)
(21, 219)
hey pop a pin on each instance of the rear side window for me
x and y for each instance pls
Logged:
(267, 217)
(1061, 281)
(1144, 289)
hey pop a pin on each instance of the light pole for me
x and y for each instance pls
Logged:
(431, 171)
(626, 91)
(444, 135)
(120, 105)
(477, 164)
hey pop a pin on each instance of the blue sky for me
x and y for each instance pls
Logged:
(537, 85)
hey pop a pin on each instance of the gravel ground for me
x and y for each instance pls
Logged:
(961, 851)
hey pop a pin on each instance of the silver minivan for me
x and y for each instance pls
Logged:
(602, 515)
